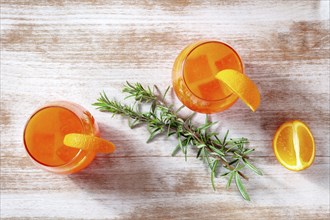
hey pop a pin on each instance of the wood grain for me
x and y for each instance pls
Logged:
(72, 50)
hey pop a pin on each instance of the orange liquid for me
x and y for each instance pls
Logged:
(44, 135)
(194, 76)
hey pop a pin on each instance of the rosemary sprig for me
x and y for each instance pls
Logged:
(231, 154)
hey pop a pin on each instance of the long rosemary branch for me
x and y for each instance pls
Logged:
(231, 154)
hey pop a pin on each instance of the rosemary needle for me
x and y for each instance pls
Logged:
(231, 154)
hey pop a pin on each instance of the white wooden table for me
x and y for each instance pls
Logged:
(72, 50)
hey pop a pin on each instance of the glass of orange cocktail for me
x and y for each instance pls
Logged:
(46, 129)
(194, 80)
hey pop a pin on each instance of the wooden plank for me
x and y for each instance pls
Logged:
(128, 186)
(72, 50)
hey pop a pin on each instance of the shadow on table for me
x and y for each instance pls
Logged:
(127, 173)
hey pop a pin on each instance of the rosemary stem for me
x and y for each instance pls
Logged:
(161, 118)
(219, 158)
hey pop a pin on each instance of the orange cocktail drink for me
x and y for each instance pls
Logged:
(194, 80)
(46, 129)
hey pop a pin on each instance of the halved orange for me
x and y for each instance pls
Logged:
(294, 145)
(87, 142)
(242, 86)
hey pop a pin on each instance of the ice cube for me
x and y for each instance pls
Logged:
(214, 90)
(66, 153)
(197, 69)
(227, 62)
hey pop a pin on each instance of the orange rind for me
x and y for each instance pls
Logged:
(242, 86)
(87, 142)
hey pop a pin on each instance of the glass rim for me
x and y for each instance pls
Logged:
(198, 44)
(50, 105)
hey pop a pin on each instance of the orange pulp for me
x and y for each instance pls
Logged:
(294, 145)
